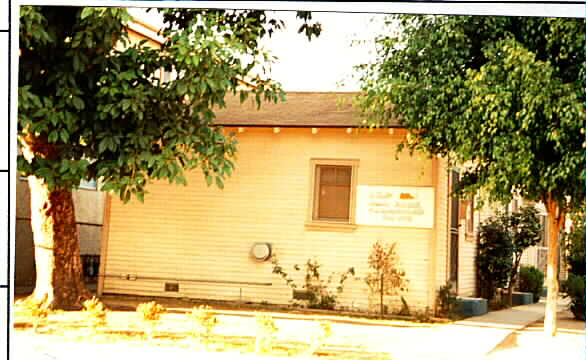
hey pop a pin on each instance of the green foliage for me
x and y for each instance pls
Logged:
(494, 258)
(95, 311)
(502, 240)
(531, 280)
(502, 93)
(93, 105)
(574, 246)
(385, 276)
(574, 290)
(150, 311)
(319, 291)
(205, 322)
(265, 336)
(498, 303)
(525, 230)
(447, 302)
(423, 316)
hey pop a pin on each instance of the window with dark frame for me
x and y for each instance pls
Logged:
(332, 193)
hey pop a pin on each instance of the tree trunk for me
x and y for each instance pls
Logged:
(513, 278)
(59, 283)
(555, 219)
(382, 293)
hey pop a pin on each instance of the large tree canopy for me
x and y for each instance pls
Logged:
(102, 111)
(94, 105)
(504, 95)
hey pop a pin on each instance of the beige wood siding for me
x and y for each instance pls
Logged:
(466, 263)
(204, 235)
(442, 225)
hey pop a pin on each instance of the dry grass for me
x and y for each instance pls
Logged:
(175, 330)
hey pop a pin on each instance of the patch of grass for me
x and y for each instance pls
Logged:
(321, 334)
(33, 313)
(205, 322)
(176, 331)
(265, 335)
(95, 311)
(150, 313)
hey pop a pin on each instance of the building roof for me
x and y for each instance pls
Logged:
(301, 109)
(145, 30)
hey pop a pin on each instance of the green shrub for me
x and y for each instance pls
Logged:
(320, 294)
(447, 302)
(494, 259)
(574, 289)
(423, 316)
(531, 280)
(574, 245)
(502, 240)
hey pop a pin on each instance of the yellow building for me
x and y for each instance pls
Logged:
(308, 184)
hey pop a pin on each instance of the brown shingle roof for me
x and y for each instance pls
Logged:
(301, 109)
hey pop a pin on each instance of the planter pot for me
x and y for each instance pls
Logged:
(522, 298)
(468, 307)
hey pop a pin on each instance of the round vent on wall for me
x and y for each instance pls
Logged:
(260, 251)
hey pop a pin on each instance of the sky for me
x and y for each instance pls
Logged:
(324, 63)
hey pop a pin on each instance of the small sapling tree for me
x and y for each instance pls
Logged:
(385, 277)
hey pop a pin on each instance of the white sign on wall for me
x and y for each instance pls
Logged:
(395, 206)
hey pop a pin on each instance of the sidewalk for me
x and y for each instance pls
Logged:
(506, 334)
(472, 338)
